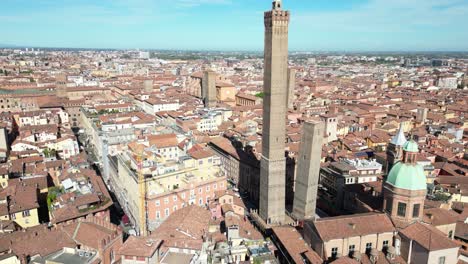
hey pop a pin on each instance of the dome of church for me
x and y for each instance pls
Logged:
(411, 146)
(408, 176)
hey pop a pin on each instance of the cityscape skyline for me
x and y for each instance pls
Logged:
(358, 25)
(197, 152)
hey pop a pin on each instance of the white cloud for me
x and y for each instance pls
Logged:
(194, 3)
(389, 16)
(387, 25)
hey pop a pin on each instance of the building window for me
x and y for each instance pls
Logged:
(158, 215)
(207, 188)
(174, 208)
(166, 200)
(200, 201)
(157, 203)
(215, 186)
(200, 190)
(334, 252)
(401, 209)
(12, 216)
(441, 260)
(368, 247)
(388, 206)
(416, 208)
(450, 234)
(183, 195)
(174, 198)
(385, 244)
(26, 213)
(351, 248)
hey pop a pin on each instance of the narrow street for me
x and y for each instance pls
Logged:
(116, 211)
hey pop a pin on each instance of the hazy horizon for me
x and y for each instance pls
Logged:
(228, 25)
(14, 46)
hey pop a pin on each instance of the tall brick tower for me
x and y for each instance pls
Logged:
(61, 85)
(275, 87)
(308, 170)
(291, 86)
(209, 88)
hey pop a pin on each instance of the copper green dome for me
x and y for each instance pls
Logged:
(411, 146)
(407, 176)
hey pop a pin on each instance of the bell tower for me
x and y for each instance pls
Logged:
(395, 149)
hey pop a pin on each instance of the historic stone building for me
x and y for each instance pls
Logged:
(273, 161)
(308, 170)
(405, 188)
(209, 88)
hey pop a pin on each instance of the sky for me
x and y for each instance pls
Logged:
(316, 25)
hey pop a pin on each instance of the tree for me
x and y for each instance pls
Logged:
(257, 260)
(46, 152)
(52, 195)
(442, 197)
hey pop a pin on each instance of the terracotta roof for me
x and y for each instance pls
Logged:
(139, 246)
(39, 182)
(26, 243)
(201, 154)
(461, 230)
(353, 225)
(246, 229)
(22, 198)
(184, 228)
(439, 216)
(428, 237)
(225, 145)
(88, 233)
(163, 141)
(295, 245)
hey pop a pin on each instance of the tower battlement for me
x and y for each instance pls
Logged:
(273, 16)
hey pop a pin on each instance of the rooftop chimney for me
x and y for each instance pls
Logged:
(391, 253)
(374, 256)
(357, 256)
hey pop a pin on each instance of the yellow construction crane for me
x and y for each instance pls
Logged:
(142, 189)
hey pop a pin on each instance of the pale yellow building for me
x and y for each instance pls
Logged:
(9, 259)
(3, 178)
(21, 206)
